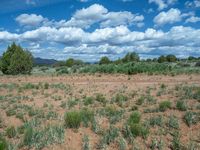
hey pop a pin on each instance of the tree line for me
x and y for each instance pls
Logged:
(16, 60)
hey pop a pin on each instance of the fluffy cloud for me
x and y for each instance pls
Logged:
(30, 19)
(193, 19)
(162, 4)
(96, 13)
(171, 16)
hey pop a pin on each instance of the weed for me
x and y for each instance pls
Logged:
(163, 106)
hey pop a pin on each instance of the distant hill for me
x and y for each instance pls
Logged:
(42, 61)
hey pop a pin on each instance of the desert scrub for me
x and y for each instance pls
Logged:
(122, 143)
(11, 132)
(181, 105)
(191, 118)
(72, 119)
(157, 144)
(87, 116)
(38, 139)
(11, 112)
(176, 143)
(163, 106)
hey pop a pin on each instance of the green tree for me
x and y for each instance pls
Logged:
(171, 58)
(129, 57)
(162, 59)
(16, 60)
(104, 60)
(70, 62)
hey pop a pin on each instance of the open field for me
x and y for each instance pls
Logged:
(74, 112)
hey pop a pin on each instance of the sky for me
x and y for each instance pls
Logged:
(91, 29)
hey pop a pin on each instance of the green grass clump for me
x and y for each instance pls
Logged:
(88, 101)
(72, 119)
(163, 106)
(181, 105)
(86, 145)
(136, 128)
(11, 132)
(100, 98)
(191, 118)
(120, 99)
(87, 116)
(38, 139)
(3, 143)
(173, 122)
(156, 121)
(11, 112)
(134, 118)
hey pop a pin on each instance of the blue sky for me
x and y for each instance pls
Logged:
(90, 29)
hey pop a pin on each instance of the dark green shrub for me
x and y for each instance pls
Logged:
(11, 132)
(72, 119)
(16, 60)
(181, 105)
(163, 106)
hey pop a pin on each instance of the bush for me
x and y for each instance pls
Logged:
(104, 60)
(11, 132)
(16, 61)
(163, 106)
(72, 119)
(181, 105)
